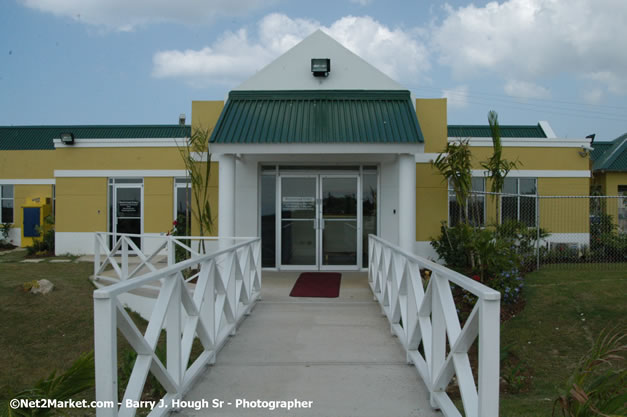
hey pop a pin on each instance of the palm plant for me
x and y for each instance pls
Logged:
(497, 168)
(78, 378)
(199, 177)
(454, 164)
(599, 385)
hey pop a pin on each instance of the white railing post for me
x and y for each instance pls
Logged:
(105, 354)
(438, 336)
(489, 357)
(173, 333)
(124, 258)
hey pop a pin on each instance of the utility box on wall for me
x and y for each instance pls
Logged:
(33, 215)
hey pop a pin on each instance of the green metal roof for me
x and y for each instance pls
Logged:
(614, 156)
(318, 116)
(41, 137)
(507, 131)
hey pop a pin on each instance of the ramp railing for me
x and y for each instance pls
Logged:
(226, 286)
(427, 325)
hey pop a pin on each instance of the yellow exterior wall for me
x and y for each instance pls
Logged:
(205, 114)
(118, 158)
(609, 182)
(27, 164)
(431, 202)
(81, 204)
(564, 215)
(535, 158)
(431, 115)
(158, 204)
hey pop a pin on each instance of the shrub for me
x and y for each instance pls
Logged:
(498, 256)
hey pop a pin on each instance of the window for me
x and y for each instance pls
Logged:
(182, 202)
(519, 200)
(6, 204)
(475, 206)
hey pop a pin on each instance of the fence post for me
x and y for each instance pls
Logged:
(537, 231)
(173, 332)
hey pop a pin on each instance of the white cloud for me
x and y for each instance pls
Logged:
(361, 2)
(456, 97)
(238, 55)
(127, 14)
(593, 95)
(526, 39)
(525, 89)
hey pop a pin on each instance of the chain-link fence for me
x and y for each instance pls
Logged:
(554, 230)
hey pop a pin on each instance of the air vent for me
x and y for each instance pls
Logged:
(320, 67)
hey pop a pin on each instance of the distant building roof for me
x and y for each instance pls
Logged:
(610, 156)
(507, 131)
(42, 137)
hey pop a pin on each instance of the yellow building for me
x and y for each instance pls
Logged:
(609, 169)
(313, 153)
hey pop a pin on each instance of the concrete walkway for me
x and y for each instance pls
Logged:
(337, 353)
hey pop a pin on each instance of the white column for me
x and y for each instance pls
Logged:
(407, 202)
(226, 196)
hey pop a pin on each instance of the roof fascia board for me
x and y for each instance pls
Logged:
(316, 148)
(123, 143)
(28, 181)
(526, 142)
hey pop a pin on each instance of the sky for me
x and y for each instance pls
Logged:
(144, 61)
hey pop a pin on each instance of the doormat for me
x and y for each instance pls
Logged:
(317, 284)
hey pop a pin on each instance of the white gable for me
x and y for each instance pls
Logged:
(292, 70)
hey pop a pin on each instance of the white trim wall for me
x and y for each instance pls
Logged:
(120, 173)
(316, 149)
(539, 173)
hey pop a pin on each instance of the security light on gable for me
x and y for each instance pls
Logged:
(67, 138)
(320, 67)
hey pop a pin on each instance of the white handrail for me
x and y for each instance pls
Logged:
(227, 287)
(428, 318)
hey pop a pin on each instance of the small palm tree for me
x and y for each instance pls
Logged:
(497, 168)
(454, 164)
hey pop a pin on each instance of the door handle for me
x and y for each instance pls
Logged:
(321, 224)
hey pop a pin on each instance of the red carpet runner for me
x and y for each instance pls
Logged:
(317, 284)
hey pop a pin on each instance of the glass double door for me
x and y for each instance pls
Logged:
(320, 221)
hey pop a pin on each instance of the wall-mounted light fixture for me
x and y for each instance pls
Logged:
(67, 138)
(320, 67)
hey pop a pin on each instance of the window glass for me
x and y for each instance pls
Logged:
(510, 186)
(527, 186)
(7, 191)
(7, 211)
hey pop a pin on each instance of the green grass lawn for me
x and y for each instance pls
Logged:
(42, 333)
(566, 309)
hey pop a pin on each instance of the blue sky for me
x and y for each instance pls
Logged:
(144, 61)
